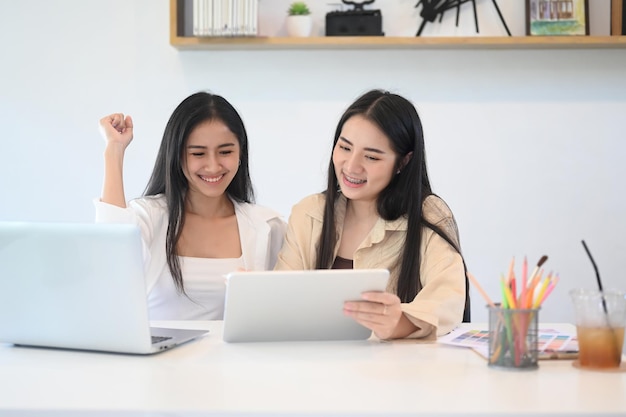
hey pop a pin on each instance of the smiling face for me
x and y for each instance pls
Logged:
(364, 160)
(211, 159)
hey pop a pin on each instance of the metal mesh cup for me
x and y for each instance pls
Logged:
(513, 338)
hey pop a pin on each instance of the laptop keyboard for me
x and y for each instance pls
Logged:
(158, 339)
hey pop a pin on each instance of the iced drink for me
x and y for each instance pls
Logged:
(600, 320)
(600, 347)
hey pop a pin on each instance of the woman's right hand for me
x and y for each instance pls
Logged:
(117, 129)
(118, 133)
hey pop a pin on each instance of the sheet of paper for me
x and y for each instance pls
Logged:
(552, 344)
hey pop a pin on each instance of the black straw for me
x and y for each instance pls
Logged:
(595, 267)
(606, 313)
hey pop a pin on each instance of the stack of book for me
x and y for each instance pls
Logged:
(225, 17)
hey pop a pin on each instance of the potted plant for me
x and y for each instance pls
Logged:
(299, 22)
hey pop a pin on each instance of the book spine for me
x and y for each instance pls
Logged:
(196, 17)
(618, 19)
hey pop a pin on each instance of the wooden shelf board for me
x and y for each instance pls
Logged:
(384, 42)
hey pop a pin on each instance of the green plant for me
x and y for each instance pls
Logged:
(298, 8)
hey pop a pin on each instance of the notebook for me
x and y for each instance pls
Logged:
(296, 305)
(77, 286)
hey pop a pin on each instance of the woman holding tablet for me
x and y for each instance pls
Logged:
(378, 211)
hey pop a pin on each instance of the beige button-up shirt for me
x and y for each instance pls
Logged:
(438, 307)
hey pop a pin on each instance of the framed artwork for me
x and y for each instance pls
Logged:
(557, 17)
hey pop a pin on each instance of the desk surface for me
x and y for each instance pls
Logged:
(210, 377)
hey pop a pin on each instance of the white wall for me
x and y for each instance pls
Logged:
(527, 146)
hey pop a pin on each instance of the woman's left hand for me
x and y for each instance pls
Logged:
(380, 312)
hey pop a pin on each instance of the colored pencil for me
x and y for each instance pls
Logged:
(542, 290)
(480, 289)
(507, 293)
(522, 296)
(555, 280)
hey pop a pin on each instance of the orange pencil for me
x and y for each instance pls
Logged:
(511, 266)
(531, 289)
(511, 279)
(513, 289)
(474, 281)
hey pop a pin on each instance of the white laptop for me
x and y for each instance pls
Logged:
(296, 305)
(77, 286)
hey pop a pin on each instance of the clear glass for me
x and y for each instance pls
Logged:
(600, 319)
(513, 338)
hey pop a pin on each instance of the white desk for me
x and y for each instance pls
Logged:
(208, 377)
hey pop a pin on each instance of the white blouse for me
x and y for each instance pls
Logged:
(205, 286)
(261, 233)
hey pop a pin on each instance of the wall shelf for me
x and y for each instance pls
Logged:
(382, 42)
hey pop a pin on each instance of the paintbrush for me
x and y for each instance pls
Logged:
(542, 260)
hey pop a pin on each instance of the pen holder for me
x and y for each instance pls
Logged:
(513, 338)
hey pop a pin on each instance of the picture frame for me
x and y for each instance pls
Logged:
(557, 17)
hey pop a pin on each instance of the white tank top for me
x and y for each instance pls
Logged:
(204, 281)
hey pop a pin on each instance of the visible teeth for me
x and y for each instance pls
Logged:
(354, 180)
(211, 179)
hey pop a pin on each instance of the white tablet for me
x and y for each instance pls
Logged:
(296, 305)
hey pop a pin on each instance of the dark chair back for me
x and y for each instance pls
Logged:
(467, 313)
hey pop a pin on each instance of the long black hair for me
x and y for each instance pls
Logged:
(168, 177)
(403, 196)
